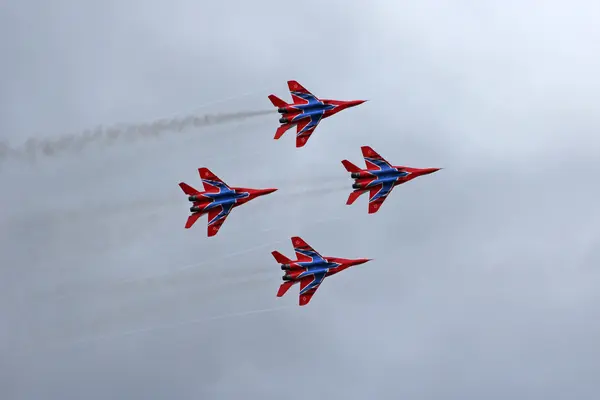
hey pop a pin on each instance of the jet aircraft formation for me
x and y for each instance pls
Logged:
(378, 179)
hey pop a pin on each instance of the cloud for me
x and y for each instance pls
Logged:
(484, 282)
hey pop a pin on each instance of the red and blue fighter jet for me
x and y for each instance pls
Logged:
(217, 200)
(306, 112)
(310, 269)
(379, 178)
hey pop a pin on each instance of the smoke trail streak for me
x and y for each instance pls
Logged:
(229, 255)
(329, 189)
(74, 143)
(235, 97)
(172, 325)
(140, 204)
(174, 271)
(181, 269)
(197, 264)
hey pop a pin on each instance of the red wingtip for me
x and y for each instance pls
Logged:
(304, 300)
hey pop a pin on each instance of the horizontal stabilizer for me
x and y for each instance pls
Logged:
(285, 286)
(192, 220)
(280, 258)
(281, 130)
(354, 195)
(187, 189)
(350, 167)
(277, 102)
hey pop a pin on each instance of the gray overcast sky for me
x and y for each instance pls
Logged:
(485, 279)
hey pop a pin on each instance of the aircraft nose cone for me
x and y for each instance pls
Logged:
(357, 102)
(428, 171)
(363, 260)
(267, 191)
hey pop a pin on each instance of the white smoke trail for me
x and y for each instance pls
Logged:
(74, 143)
(198, 264)
(159, 276)
(107, 136)
(230, 255)
(326, 189)
(158, 204)
(174, 325)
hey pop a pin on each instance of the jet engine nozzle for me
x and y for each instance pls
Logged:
(283, 120)
(282, 110)
(285, 267)
(195, 209)
(286, 277)
(355, 175)
(193, 198)
(358, 186)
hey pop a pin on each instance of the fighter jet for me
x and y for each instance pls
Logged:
(306, 112)
(217, 200)
(310, 269)
(379, 178)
